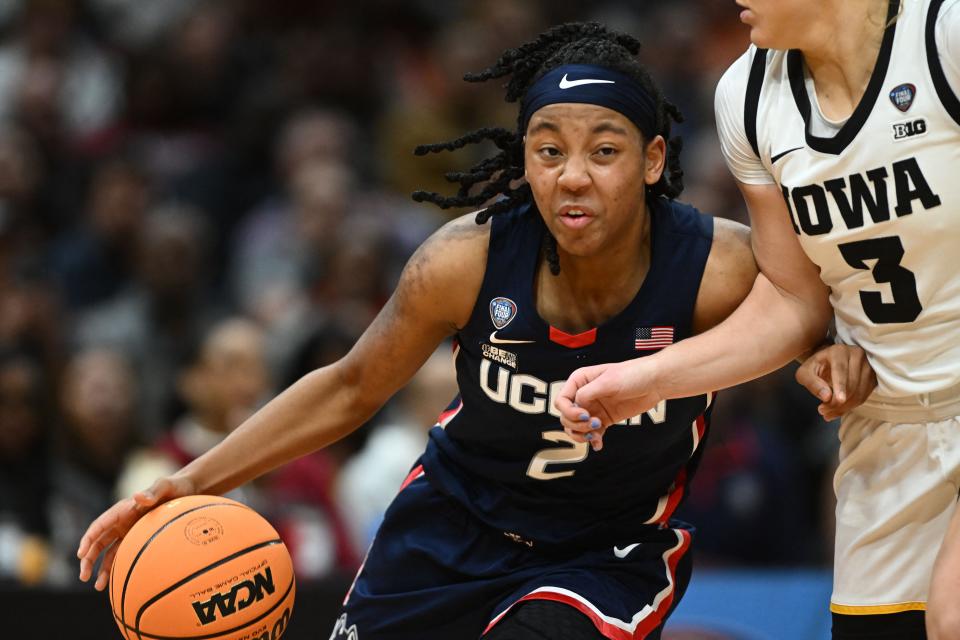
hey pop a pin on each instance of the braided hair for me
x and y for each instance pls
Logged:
(573, 43)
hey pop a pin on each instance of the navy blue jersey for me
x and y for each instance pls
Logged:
(501, 451)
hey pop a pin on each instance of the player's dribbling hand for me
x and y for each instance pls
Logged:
(840, 376)
(109, 528)
(594, 398)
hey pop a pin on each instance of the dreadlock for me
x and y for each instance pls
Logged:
(573, 43)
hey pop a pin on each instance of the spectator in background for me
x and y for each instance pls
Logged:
(98, 400)
(295, 226)
(221, 384)
(313, 252)
(56, 78)
(24, 486)
(286, 246)
(95, 260)
(21, 177)
(162, 312)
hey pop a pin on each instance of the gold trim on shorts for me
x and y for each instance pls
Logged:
(877, 609)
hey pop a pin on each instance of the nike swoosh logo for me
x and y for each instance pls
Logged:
(569, 84)
(623, 553)
(780, 155)
(495, 340)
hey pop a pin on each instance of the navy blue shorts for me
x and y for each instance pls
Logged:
(435, 572)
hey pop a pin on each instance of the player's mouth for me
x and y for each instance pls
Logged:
(576, 216)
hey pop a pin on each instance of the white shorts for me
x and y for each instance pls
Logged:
(896, 486)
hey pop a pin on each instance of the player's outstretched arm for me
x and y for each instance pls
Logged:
(785, 314)
(435, 296)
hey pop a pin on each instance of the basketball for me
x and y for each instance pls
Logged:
(202, 567)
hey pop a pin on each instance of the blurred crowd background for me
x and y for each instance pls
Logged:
(202, 200)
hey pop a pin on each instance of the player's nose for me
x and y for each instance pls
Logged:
(575, 177)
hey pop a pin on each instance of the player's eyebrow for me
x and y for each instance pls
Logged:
(608, 126)
(543, 125)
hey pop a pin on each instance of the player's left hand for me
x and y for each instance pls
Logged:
(594, 398)
(840, 376)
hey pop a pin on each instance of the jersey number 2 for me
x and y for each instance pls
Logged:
(888, 252)
(576, 452)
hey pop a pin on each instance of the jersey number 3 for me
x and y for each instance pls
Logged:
(888, 252)
(576, 452)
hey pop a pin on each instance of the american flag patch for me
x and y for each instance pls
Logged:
(649, 338)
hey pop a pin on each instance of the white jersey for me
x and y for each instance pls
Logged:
(875, 200)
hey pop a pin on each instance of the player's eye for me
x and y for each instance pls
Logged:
(607, 151)
(550, 152)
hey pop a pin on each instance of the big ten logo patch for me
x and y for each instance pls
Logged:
(909, 129)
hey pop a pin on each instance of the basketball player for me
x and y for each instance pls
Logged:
(507, 527)
(841, 126)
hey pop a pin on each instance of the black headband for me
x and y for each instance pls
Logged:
(593, 84)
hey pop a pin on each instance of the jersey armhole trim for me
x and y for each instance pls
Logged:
(947, 97)
(752, 102)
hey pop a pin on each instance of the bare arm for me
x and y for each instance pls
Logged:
(785, 313)
(435, 296)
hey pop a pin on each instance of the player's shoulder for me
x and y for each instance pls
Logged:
(731, 238)
(461, 236)
(946, 9)
(728, 275)
(731, 265)
(734, 79)
(948, 20)
(754, 66)
(450, 264)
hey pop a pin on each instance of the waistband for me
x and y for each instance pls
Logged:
(925, 407)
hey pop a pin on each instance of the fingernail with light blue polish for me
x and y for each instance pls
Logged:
(589, 436)
(584, 417)
(595, 423)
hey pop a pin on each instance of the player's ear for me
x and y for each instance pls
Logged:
(654, 158)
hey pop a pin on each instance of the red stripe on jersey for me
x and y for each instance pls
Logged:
(413, 475)
(680, 483)
(678, 486)
(571, 340)
(448, 414)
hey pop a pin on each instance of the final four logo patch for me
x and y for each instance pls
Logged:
(502, 311)
(902, 96)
